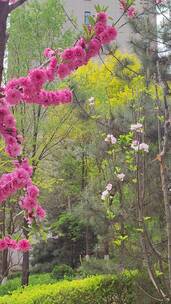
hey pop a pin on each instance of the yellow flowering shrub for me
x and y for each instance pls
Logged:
(116, 81)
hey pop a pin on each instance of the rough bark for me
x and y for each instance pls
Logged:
(3, 40)
(25, 264)
(164, 148)
(4, 11)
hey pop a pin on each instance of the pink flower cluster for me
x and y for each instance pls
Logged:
(8, 243)
(160, 1)
(106, 192)
(104, 33)
(8, 130)
(129, 10)
(30, 89)
(137, 146)
(10, 183)
(30, 204)
(111, 139)
(20, 179)
(78, 55)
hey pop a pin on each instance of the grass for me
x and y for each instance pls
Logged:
(35, 279)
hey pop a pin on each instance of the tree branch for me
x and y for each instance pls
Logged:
(15, 5)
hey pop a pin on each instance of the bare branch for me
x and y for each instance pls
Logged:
(15, 5)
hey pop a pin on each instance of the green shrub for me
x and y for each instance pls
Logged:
(14, 275)
(94, 290)
(96, 266)
(61, 272)
(42, 268)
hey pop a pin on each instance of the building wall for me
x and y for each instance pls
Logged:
(78, 8)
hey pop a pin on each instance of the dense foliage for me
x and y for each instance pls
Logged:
(99, 289)
(102, 163)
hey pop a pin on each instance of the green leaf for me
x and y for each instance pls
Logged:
(147, 218)
(118, 243)
(140, 230)
(91, 20)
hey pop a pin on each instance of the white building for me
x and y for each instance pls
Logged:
(82, 9)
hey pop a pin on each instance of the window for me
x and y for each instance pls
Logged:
(86, 17)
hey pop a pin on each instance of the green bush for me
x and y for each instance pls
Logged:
(14, 275)
(96, 266)
(94, 290)
(42, 268)
(61, 272)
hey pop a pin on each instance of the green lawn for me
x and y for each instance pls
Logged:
(35, 279)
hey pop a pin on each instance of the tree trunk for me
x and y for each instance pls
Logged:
(3, 35)
(25, 264)
(25, 269)
(5, 263)
(87, 242)
(106, 249)
(3, 26)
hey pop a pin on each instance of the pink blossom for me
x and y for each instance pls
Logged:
(91, 101)
(112, 33)
(139, 147)
(29, 203)
(111, 139)
(102, 17)
(109, 187)
(79, 52)
(38, 77)
(23, 245)
(160, 1)
(104, 195)
(137, 127)
(40, 212)
(81, 42)
(93, 48)
(13, 96)
(144, 147)
(131, 12)
(135, 145)
(22, 176)
(53, 63)
(121, 176)
(13, 150)
(25, 165)
(4, 110)
(10, 140)
(50, 73)
(47, 98)
(12, 244)
(63, 70)
(3, 245)
(48, 53)
(108, 35)
(9, 121)
(100, 28)
(33, 191)
(68, 54)
(123, 4)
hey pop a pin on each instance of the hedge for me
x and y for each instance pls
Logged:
(93, 290)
